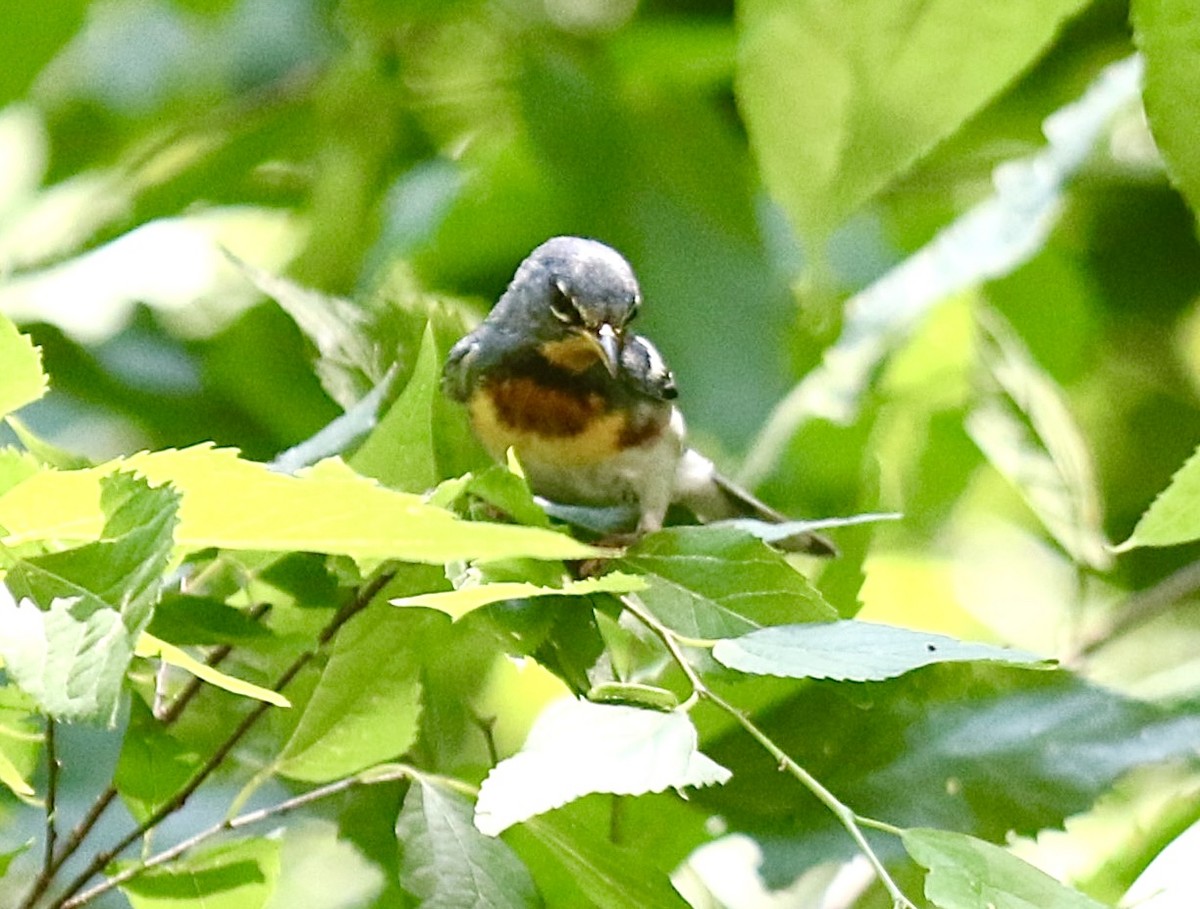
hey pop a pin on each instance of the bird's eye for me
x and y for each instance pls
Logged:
(562, 306)
(635, 307)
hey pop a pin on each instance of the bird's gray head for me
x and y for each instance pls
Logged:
(575, 297)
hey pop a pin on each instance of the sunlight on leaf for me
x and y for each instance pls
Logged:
(21, 376)
(151, 647)
(1174, 516)
(824, 89)
(233, 503)
(577, 747)
(457, 603)
(448, 864)
(990, 240)
(11, 777)
(853, 651)
(1024, 428)
(967, 873)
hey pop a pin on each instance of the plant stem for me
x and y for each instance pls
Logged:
(351, 608)
(840, 810)
(52, 767)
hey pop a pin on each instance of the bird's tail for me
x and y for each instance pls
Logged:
(713, 497)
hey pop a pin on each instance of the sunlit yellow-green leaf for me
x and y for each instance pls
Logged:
(232, 503)
(11, 777)
(21, 376)
(1174, 517)
(149, 646)
(457, 603)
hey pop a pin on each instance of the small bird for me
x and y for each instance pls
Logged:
(554, 373)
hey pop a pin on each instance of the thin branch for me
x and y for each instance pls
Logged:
(848, 818)
(398, 772)
(104, 856)
(1145, 606)
(52, 767)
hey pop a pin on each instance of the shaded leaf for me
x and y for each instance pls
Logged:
(448, 864)
(150, 647)
(966, 873)
(235, 875)
(1024, 428)
(1168, 34)
(1174, 516)
(184, 619)
(586, 864)
(457, 603)
(237, 504)
(719, 582)
(368, 699)
(853, 651)
(841, 100)
(21, 376)
(576, 748)
(153, 764)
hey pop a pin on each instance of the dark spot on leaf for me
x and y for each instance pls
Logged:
(931, 648)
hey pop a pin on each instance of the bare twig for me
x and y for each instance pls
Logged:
(1144, 606)
(104, 856)
(52, 767)
(851, 821)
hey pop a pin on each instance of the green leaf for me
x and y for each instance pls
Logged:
(31, 36)
(577, 747)
(20, 740)
(400, 451)
(717, 582)
(11, 777)
(236, 875)
(43, 451)
(367, 702)
(448, 864)
(966, 873)
(606, 874)
(238, 504)
(71, 657)
(15, 467)
(21, 376)
(1168, 34)
(841, 100)
(1174, 516)
(853, 651)
(457, 603)
(6, 858)
(153, 764)
(184, 619)
(978, 748)
(150, 647)
(1024, 428)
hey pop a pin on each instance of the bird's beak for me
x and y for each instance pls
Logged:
(609, 345)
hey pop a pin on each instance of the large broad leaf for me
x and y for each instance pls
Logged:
(852, 651)
(72, 654)
(966, 873)
(1168, 33)
(719, 582)
(237, 875)
(1024, 428)
(841, 99)
(153, 764)
(979, 749)
(21, 376)
(400, 451)
(989, 241)
(574, 863)
(446, 863)
(367, 702)
(576, 748)
(237, 504)
(1174, 517)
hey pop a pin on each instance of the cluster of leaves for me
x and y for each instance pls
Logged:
(323, 642)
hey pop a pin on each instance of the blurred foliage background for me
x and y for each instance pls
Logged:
(759, 163)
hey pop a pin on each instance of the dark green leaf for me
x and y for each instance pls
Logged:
(449, 864)
(966, 873)
(153, 764)
(183, 620)
(236, 875)
(711, 582)
(852, 651)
